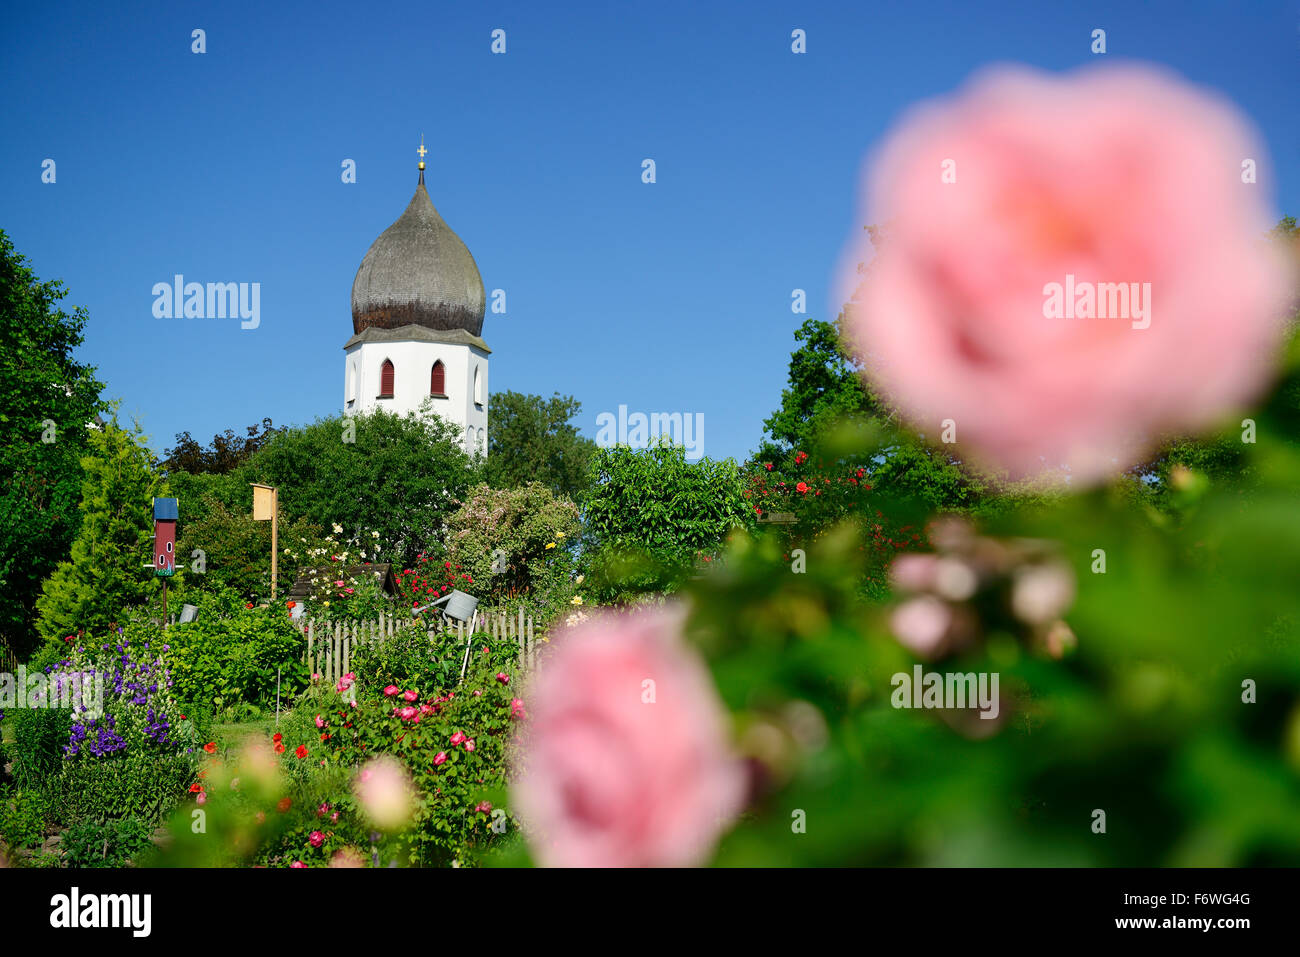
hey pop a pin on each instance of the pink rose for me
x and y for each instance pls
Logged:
(611, 777)
(408, 713)
(483, 807)
(410, 695)
(469, 744)
(297, 864)
(390, 691)
(458, 737)
(503, 677)
(320, 722)
(316, 839)
(385, 793)
(439, 758)
(1071, 270)
(517, 709)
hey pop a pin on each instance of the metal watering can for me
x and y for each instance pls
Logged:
(460, 605)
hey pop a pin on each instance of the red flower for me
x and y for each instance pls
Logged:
(800, 458)
(277, 737)
(291, 604)
(248, 605)
(301, 752)
(284, 805)
(210, 747)
(195, 788)
(768, 466)
(802, 486)
(279, 748)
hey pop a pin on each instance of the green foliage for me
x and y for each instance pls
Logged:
(516, 546)
(109, 569)
(530, 439)
(112, 844)
(229, 655)
(650, 513)
(236, 550)
(451, 823)
(400, 476)
(40, 735)
(1149, 718)
(408, 659)
(46, 400)
(25, 813)
(136, 785)
(227, 452)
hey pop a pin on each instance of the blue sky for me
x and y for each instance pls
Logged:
(667, 297)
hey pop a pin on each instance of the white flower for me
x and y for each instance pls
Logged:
(338, 529)
(374, 534)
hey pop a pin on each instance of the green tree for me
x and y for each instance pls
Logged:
(227, 452)
(110, 566)
(47, 398)
(829, 399)
(402, 476)
(650, 514)
(530, 439)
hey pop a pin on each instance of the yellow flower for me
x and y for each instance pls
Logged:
(559, 535)
(577, 600)
(579, 580)
(550, 544)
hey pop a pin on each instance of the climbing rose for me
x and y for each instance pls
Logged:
(316, 839)
(301, 751)
(391, 690)
(1110, 175)
(609, 778)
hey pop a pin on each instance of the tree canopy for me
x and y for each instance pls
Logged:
(47, 399)
(531, 439)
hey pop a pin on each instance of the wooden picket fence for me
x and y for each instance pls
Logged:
(330, 643)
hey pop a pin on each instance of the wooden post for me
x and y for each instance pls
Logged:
(275, 539)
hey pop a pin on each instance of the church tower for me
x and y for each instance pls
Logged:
(417, 315)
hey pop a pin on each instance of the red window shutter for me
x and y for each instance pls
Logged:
(386, 379)
(438, 380)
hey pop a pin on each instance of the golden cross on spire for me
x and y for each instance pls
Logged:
(422, 151)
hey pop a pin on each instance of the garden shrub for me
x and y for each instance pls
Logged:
(40, 735)
(230, 654)
(454, 747)
(407, 658)
(135, 757)
(650, 516)
(112, 844)
(24, 815)
(518, 545)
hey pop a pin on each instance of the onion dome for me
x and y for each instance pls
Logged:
(418, 272)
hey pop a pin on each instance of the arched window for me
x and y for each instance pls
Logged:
(438, 379)
(386, 380)
(482, 441)
(469, 439)
(478, 386)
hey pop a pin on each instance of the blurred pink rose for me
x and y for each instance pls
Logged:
(316, 839)
(626, 761)
(1113, 175)
(385, 793)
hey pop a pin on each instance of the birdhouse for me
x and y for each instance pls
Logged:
(165, 513)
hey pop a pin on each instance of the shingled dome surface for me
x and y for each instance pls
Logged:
(418, 272)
